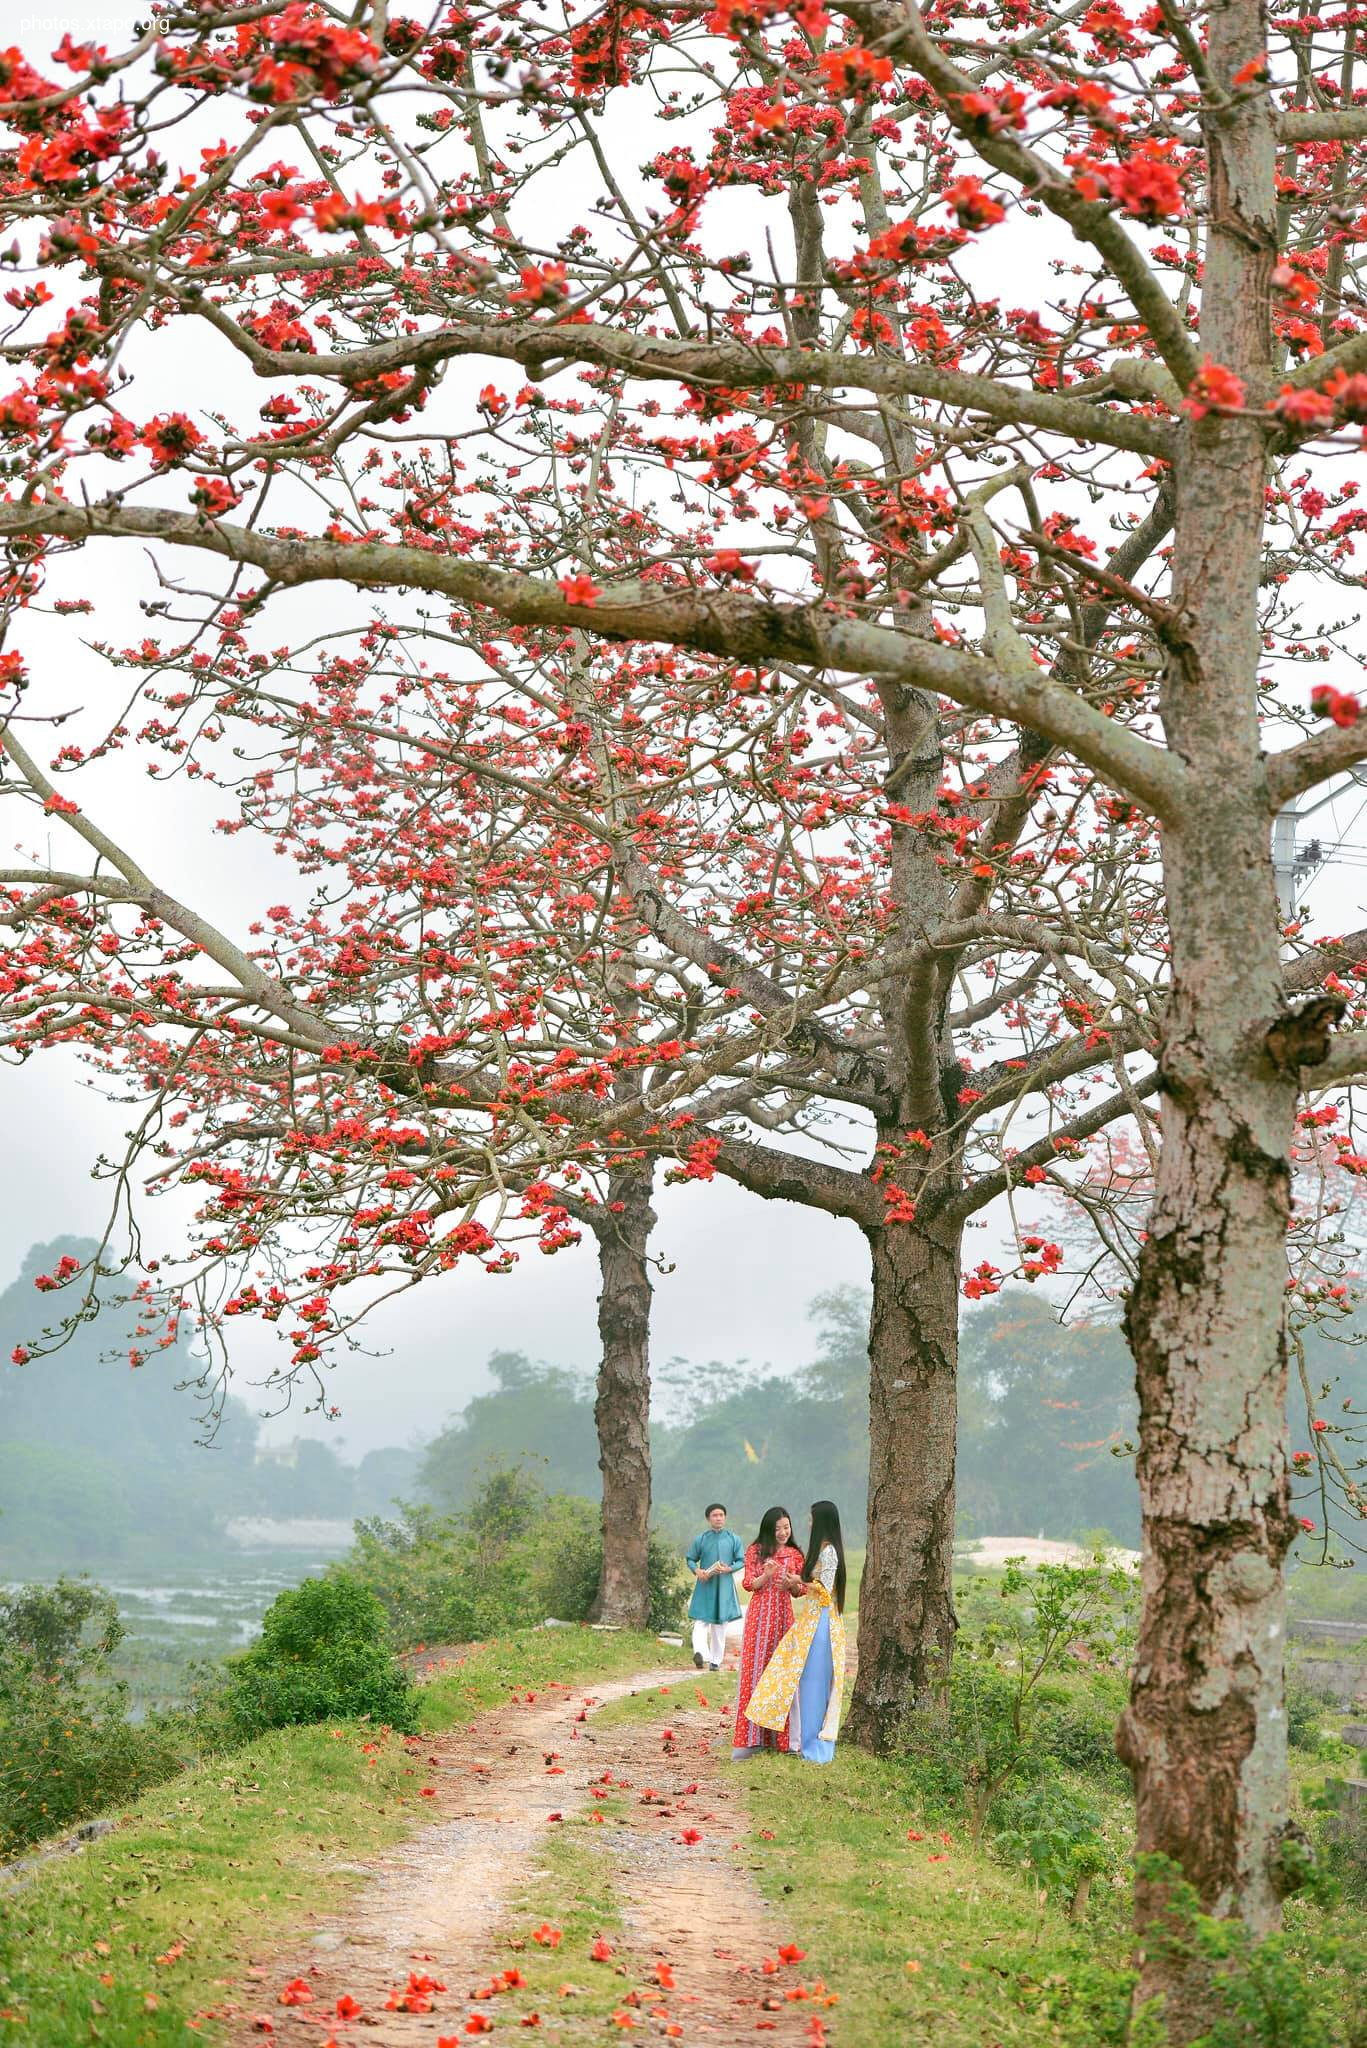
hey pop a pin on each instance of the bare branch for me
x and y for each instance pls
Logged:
(750, 628)
(1295, 769)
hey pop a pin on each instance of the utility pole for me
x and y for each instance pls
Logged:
(1294, 864)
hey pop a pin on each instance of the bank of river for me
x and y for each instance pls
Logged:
(178, 1617)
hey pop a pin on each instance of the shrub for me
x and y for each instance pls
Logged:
(1265, 1991)
(1343, 1839)
(568, 1561)
(67, 1748)
(59, 1631)
(1030, 1653)
(1305, 1709)
(413, 1567)
(322, 1656)
(1076, 1725)
(513, 1557)
(1055, 1835)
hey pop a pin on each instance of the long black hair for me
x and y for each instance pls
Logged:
(767, 1539)
(826, 1529)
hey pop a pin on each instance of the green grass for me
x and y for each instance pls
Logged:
(213, 1859)
(225, 1855)
(994, 1964)
(991, 1964)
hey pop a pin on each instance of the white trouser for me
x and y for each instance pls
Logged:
(709, 1641)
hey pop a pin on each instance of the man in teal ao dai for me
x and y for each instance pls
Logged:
(714, 1557)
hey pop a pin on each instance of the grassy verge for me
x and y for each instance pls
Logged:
(926, 1940)
(930, 1941)
(128, 1942)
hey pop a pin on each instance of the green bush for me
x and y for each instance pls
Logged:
(67, 1748)
(1076, 1725)
(1305, 1711)
(1343, 1841)
(412, 1566)
(569, 1549)
(61, 1632)
(513, 1557)
(1054, 1834)
(1301, 1990)
(322, 1656)
(63, 1759)
(1037, 1682)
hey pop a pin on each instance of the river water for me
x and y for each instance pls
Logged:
(178, 1618)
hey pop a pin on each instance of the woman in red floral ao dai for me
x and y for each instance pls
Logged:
(773, 1574)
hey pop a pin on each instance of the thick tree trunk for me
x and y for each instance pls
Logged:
(1205, 1732)
(906, 1599)
(622, 1410)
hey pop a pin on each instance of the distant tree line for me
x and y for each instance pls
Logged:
(1045, 1413)
(99, 1464)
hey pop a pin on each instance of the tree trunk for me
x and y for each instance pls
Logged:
(622, 1409)
(1205, 1732)
(906, 1599)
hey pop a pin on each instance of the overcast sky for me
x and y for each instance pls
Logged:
(743, 1271)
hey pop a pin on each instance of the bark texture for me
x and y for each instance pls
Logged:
(622, 1409)
(906, 1602)
(1205, 1733)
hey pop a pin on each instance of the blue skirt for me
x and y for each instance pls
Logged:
(813, 1695)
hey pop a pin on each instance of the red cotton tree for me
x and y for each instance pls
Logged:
(783, 438)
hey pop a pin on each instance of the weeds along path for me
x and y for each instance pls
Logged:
(585, 1873)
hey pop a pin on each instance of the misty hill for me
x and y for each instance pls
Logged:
(101, 1462)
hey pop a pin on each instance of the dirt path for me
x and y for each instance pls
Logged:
(443, 1904)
